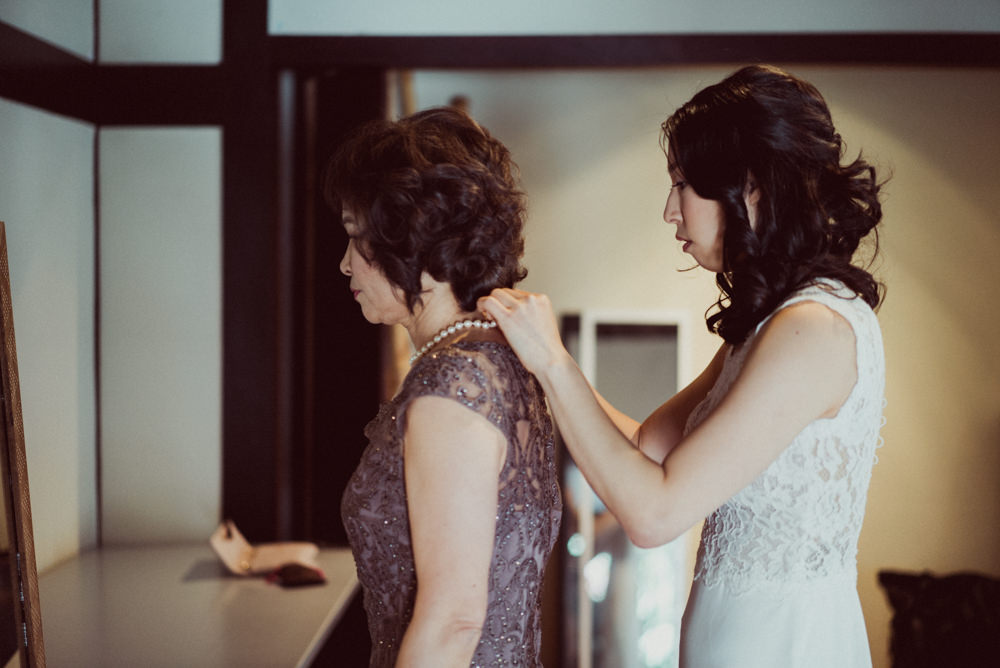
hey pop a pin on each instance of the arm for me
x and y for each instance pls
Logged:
(801, 368)
(626, 425)
(537, 341)
(664, 428)
(657, 435)
(453, 458)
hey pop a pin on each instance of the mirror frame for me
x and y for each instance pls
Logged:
(27, 610)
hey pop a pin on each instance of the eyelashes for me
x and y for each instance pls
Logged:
(680, 185)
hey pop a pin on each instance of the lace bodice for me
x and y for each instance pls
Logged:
(487, 378)
(801, 518)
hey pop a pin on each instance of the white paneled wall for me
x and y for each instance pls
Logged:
(47, 203)
(161, 332)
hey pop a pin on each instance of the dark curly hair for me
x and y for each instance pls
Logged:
(437, 193)
(764, 124)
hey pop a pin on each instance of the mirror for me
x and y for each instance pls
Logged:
(622, 605)
(20, 614)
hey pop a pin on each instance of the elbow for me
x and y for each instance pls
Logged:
(643, 539)
(650, 530)
(646, 538)
(440, 640)
(662, 514)
(459, 636)
(460, 626)
(467, 626)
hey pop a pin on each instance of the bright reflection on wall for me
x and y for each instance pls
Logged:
(597, 573)
(635, 596)
(658, 603)
(656, 597)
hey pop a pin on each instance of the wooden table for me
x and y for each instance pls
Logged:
(176, 606)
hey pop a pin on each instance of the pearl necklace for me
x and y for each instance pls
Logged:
(448, 331)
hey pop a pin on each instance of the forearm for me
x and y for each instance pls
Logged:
(625, 424)
(628, 481)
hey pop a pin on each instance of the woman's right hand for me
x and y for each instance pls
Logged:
(529, 323)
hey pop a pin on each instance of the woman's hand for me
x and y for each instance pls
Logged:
(528, 322)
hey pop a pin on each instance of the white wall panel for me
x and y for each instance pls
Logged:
(161, 333)
(47, 203)
(161, 31)
(69, 24)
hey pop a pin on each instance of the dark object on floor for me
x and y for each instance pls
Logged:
(943, 620)
(296, 575)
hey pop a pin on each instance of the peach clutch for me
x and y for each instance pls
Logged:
(242, 558)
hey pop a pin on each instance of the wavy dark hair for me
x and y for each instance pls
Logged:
(764, 124)
(437, 193)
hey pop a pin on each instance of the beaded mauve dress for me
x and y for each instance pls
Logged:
(486, 377)
(776, 578)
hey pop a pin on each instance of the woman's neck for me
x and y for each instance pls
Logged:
(427, 324)
(437, 309)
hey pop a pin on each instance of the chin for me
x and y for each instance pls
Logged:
(714, 266)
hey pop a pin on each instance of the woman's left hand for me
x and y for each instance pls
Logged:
(529, 323)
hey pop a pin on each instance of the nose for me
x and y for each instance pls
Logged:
(345, 262)
(671, 210)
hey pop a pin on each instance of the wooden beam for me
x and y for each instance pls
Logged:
(37, 73)
(533, 51)
(161, 95)
(254, 411)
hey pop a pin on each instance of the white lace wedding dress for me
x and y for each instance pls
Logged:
(776, 577)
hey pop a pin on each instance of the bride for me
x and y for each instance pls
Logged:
(773, 443)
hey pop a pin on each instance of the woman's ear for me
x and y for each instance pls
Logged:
(751, 197)
(430, 287)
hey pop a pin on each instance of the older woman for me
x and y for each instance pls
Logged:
(454, 508)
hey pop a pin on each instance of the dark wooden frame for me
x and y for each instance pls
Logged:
(639, 50)
(261, 387)
(37, 73)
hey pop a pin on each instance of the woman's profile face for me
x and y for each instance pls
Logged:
(700, 222)
(381, 301)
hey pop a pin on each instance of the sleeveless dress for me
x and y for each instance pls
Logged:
(487, 378)
(776, 576)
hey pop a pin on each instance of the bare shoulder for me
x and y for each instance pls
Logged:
(809, 321)
(811, 347)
